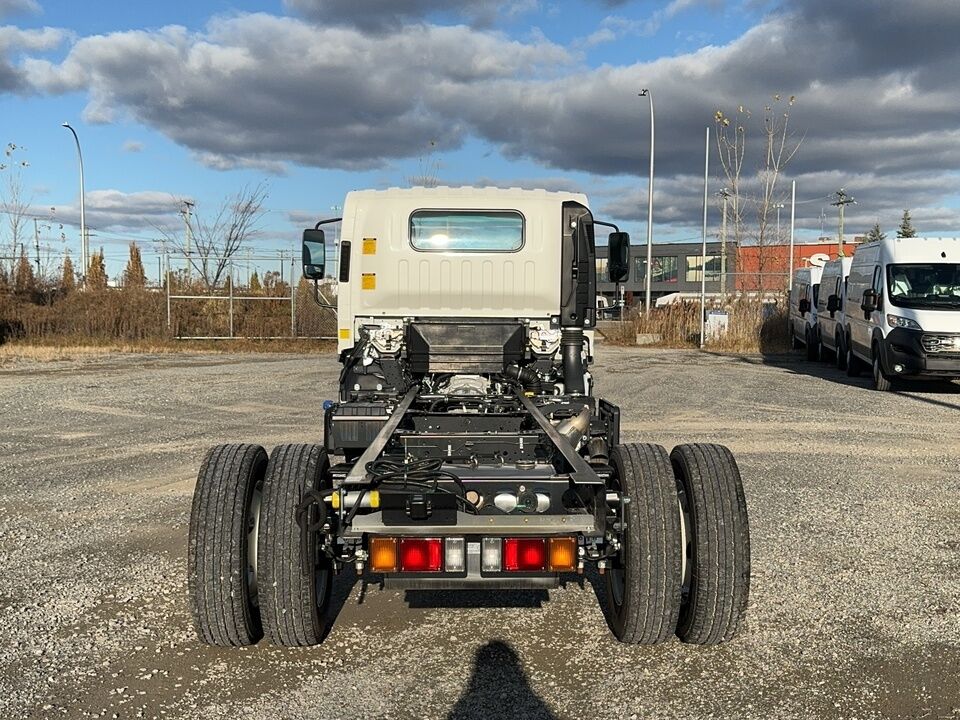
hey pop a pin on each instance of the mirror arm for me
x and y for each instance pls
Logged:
(606, 224)
(317, 296)
(326, 222)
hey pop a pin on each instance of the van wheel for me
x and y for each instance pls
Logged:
(643, 582)
(880, 381)
(794, 343)
(717, 582)
(812, 346)
(854, 364)
(841, 353)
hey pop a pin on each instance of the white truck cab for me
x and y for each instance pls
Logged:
(803, 309)
(903, 312)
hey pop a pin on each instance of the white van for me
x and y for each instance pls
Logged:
(803, 309)
(903, 312)
(830, 307)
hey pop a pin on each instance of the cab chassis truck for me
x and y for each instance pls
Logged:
(466, 448)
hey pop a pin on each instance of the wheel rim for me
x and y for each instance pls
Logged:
(253, 531)
(618, 563)
(686, 542)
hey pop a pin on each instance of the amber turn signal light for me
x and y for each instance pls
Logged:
(383, 554)
(563, 554)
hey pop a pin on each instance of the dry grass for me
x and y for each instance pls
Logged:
(754, 327)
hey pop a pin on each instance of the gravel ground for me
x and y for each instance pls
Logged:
(853, 498)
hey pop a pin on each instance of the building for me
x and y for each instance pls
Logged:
(676, 267)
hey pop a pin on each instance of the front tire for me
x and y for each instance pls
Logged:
(643, 583)
(221, 553)
(813, 351)
(293, 603)
(715, 509)
(854, 364)
(881, 382)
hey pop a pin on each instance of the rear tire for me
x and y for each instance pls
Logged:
(854, 364)
(643, 583)
(293, 604)
(841, 354)
(711, 492)
(813, 351)
(221, 553)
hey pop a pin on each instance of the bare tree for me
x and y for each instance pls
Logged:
(780, 147)
(214, 240)
(14, 202)
(428, 167)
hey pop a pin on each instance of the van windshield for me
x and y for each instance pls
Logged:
(925, 285)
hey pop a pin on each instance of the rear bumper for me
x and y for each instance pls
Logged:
(904, 349)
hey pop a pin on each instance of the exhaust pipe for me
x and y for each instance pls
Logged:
(574, 428)
(571, 347)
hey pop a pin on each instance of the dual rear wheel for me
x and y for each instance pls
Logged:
(683, 565)
(246, 571)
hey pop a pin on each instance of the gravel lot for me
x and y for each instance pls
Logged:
(853, 498)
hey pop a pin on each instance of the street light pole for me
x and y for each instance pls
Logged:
(703, 256)
(646, 308)
(84, 250)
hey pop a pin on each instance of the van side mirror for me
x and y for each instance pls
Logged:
(314, 254)
(803, 306)
(618, 262)
(833, 304)
(869, 303)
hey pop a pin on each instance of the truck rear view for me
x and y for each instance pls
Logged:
(467, 448)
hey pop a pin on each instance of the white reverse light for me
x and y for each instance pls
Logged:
(453, 555)
(490, 555)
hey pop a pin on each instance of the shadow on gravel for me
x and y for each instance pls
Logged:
(476, 598)
(499, 688)
(797, 364)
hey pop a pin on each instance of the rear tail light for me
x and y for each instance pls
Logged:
(383, 554)
(421, 554)
(524, 554)
(563, 554)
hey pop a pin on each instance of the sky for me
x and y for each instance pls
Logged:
(197, 100)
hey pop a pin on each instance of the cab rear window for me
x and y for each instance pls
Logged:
(466, 230)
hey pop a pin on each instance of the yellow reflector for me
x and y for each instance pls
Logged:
(368, 281)
(563, 554)
(335, 501)
(344, 333)
(383, 554)
(374, 496)
(369, 246)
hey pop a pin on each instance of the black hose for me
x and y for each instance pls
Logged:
(528, 378)
(571, 348)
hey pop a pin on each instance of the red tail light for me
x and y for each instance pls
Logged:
(524, 554)
(421, 554)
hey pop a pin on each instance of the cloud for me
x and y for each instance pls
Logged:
(118, 211)
(258, 90)
(13, 41)
(133, 146)
(19, 7)
(386, 15)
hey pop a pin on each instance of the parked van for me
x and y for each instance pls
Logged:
(903, 313)
(830, 307)
(803, 309)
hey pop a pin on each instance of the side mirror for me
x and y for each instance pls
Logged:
(803, 306)
(869, 303)
(833, 304)
(618, 262)
(314, 254)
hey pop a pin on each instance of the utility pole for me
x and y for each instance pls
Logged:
(724, 195)
(842, 201)
(186, 209)
(703, 255)
(793, 221)
(646, 308)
